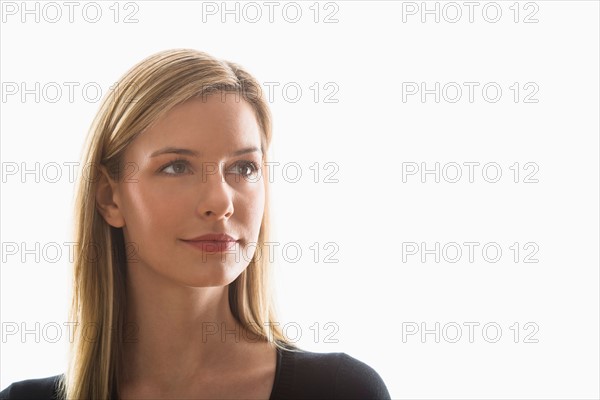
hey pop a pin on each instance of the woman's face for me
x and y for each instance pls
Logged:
(209, 185)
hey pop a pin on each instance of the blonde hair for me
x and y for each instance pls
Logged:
(141, 97)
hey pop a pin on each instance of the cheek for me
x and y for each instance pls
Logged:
(250, 210)
(150, 210)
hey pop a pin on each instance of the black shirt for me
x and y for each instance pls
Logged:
(299, 375)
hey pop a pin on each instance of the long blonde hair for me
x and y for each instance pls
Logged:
(142, 96)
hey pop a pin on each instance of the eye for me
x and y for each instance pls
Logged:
(247, 168)
(176, 165)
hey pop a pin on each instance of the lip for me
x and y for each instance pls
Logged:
(212, 237)
(213, 242)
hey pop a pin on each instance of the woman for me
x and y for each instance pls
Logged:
(171, 289)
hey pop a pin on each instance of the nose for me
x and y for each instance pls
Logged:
(216, 199)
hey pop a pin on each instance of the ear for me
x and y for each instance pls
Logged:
(107, 199)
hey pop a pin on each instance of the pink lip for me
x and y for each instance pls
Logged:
(212, 242)
(213, 246)
(215, 237)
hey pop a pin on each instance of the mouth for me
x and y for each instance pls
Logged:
(212, 246)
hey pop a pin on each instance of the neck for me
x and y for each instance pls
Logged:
(174, 333)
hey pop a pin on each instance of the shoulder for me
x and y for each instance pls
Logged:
(358, 380)
(334, 375)
(40, 388)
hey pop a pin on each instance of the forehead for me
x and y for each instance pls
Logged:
(215, 125)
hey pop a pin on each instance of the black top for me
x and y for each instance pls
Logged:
(299, 375)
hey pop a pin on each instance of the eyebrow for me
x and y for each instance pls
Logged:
(193, 153)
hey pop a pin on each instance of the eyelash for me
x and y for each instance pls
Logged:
(185, 162)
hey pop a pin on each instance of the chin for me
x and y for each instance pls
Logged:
(213, 279)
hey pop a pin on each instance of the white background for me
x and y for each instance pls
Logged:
(370, 133)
